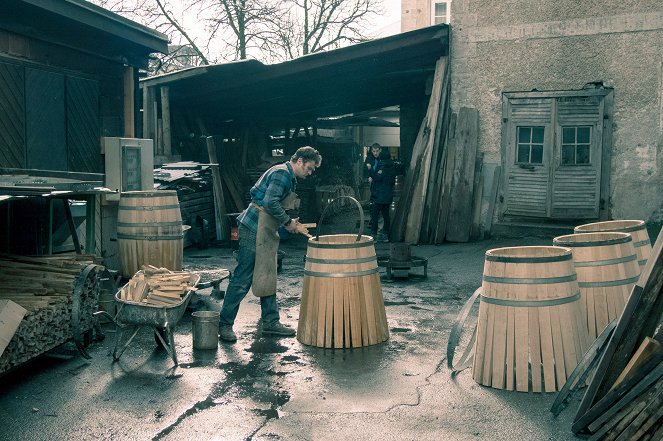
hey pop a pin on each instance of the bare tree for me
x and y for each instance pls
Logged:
(243, 26)
(319, 25)
(269, 30)
(161, 16)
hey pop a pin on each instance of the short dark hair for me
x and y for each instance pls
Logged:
(307, 154)
(376, 146)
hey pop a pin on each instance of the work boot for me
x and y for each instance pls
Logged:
(226, 334)
(278, 329)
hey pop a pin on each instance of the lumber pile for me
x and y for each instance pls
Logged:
(44, 286)
(624, 400)
(438, 196)
(158, 286)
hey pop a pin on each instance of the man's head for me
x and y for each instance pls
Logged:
(304, 161)
(376, 149)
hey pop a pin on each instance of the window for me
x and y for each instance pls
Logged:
(441, 12)
(530, 145)
(575, 145)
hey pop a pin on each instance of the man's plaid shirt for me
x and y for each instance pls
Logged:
(274, 185)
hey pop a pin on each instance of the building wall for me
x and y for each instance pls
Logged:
(519, 45)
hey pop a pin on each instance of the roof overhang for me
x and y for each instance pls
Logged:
(366, 76)
(83, 26)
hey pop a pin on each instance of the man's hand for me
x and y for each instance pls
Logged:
(370, 179)
(292, 226)
(368, 166)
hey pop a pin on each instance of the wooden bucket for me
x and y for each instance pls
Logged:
(149, 231)
(636, 228)
(530, 322)
(342, 304)
(607, 268)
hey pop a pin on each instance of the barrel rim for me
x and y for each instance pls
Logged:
(564, 256)
(567, 242)
(639, 225)
(313, 242)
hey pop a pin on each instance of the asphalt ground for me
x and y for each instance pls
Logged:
(279, 389)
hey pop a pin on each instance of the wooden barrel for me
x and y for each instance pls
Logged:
(149, 231)
(342, 304)
(607, 268)
(635, 228)
(529, 322)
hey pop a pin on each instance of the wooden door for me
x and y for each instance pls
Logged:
(552, 154)
(577, 157)
(528, 157)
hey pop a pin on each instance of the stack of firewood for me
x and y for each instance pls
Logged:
(158, 286)
(44, 287)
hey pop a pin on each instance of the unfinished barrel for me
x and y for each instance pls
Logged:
(530, 323)
(342, 304)
(635, 228)
(607, 268)
(149, 231)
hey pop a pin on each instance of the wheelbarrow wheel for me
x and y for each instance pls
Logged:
(164, 336)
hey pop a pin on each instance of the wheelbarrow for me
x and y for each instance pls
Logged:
(130, 317)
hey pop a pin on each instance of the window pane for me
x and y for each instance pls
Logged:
(583, 135)
(537, 154)
(523, 153)
(569, 135)
(440, 9)
(568, 154)
(524, 134)
(537, 135)
(583, 154)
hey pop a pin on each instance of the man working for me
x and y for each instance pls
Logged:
(258, 243)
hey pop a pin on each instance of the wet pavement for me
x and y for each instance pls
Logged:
(278, 389)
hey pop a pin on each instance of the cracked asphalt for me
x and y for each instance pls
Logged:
(278, 389)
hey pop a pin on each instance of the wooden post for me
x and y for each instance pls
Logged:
(148, 113)
(219, 200)
(165, 120)
(129, 103)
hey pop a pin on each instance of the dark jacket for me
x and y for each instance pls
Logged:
(383, 173)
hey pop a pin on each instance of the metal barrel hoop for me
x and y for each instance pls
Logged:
(361, 216)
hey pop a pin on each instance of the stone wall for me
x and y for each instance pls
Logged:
(519, 45)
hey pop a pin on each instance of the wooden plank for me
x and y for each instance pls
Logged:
(219, 202)
(11, 315)
(638, 321)
(647, 349)
(475, 230)
(438, 159)
(413, 228)
(445, 191)
(165, 116)
(466, 141)
(492, 200)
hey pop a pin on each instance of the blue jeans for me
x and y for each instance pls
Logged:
(239, 286)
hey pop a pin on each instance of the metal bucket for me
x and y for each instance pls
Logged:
(205, 329)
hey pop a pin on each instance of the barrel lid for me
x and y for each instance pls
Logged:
(529, 254)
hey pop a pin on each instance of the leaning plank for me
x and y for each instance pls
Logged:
(219, 201)
(414, 218)
(460, 212)
(634, 325)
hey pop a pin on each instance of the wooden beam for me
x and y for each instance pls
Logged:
(129, 102)
(165, 120)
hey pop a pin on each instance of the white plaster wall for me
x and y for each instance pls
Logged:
(520, 45)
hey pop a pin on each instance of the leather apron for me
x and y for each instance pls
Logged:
(267, 246)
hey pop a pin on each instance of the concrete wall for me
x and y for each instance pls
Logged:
(520, 45)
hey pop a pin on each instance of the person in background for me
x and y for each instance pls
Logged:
(382, 176)
(258, 243)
